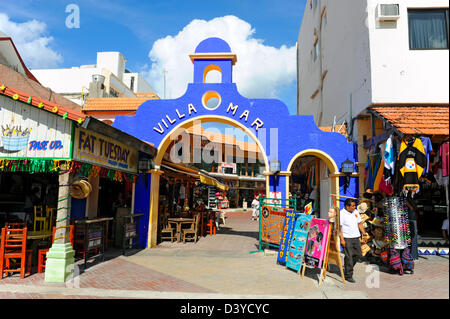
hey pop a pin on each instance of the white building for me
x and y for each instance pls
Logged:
(73, 83)
(354, 54)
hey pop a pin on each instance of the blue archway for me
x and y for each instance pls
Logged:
(280, 135)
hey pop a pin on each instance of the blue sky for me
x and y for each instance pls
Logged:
(134, 27)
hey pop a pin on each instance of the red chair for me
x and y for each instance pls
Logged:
(211, 223)
(42, 253)
(14, 247)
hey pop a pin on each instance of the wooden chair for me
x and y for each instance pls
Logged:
(14, 247)
(193, 230)
(42, 253)
(79, 240)
(51, 216)
(167, 229)
(40, 219)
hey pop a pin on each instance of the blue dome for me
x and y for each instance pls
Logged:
(212, 45)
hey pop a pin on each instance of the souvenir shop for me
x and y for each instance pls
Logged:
(413, 167)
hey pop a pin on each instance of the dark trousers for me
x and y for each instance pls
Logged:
(352, 252)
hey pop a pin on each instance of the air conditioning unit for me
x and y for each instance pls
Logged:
(387, 12)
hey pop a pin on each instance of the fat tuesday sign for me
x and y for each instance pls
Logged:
(94, 148)
(170, 120)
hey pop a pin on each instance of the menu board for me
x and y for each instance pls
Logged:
(298, 242)
(272, 220)
(316, 242)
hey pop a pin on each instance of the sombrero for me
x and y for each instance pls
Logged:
(377, 222)
(81, 189)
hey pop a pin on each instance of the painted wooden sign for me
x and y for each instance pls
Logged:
(97, 149)
(272, 220)
(28, 132)
(317, 242)
(288, 228)
(298, 242)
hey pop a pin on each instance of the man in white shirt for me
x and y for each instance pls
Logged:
(255, 208)
(351, 230)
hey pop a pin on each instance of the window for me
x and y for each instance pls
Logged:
(428, 29)
(132, 84)
(316, 50)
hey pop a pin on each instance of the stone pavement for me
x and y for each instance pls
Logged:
(222, 267)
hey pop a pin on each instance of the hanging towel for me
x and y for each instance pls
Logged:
(443, 153)
(379, 177)
(389, 159)
(428, 148)
(412, 161)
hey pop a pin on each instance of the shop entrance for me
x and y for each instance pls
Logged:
(314, 179)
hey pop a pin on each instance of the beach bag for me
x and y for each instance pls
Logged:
(395, 261)
(407, 259)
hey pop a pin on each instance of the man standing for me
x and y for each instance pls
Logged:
(255, 208)
(351, 229)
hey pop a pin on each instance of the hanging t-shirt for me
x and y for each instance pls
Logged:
(428, 148)
(412, 161)
(443, 153)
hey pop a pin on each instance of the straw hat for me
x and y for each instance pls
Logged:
(362, 207)
(377, 222)
(364, 249)
(81, 189)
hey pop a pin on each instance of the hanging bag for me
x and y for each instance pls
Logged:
(395, 261)
(407, 260)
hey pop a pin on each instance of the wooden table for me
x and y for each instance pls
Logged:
(179, 222)
(39, 234)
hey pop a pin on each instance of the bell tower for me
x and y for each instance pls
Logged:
(213, 54)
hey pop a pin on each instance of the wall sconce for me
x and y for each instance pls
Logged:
(347, 167)
(275, 168)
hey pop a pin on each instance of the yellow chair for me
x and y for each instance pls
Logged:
(40, 219)
(51, 215)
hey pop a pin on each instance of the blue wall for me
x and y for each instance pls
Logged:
(142, 205)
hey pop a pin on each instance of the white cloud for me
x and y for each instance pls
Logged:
(31, 42)
(260, 71)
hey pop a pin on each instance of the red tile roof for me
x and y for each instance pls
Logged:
(115, 104)
(416, 119)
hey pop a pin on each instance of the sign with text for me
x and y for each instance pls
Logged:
(286, 236)
(316, 242)
(27, 131)
(94, 148)
(272, 220)
(298, 242)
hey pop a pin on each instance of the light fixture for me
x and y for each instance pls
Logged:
(347, 167)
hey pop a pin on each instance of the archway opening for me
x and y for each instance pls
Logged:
(219, 147)
(314, 179)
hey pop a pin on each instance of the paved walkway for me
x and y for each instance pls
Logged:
(222, 267)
